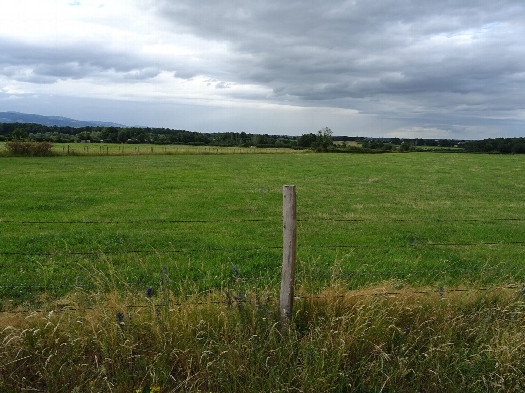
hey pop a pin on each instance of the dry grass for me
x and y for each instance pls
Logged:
(339, 341)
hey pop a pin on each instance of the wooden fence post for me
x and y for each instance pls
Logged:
(289, 254)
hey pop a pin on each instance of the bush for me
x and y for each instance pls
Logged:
(29, 149)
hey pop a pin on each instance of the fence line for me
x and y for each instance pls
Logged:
(289, 248)
(441, 291)
(67, 308)
(230, 301)
(137, 283)
(406, 272)
(319, 276)
(140, 221)
(412, 245)
(409, 219)
(202, 221)
(190, 250)
(182, 250)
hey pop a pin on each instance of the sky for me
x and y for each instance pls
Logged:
(378, 68)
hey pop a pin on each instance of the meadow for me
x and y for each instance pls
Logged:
(409, 276)
(98, 149)
(419, 219)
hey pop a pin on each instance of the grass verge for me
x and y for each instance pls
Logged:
(231, 341)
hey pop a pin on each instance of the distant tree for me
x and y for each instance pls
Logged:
(19, 134)
(84, 136)
(324, 139)
(395, 141)
(320, 141)
(519, 147)
(405, 146)
(307, 140)
(109, 134)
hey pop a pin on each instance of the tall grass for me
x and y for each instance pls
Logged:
(231, 341)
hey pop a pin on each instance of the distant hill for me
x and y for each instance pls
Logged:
(17, 117)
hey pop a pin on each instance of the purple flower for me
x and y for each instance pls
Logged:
(120, 318)
(149, 292)
(441, 291)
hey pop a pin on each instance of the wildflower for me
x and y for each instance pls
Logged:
(236, 272)
(120, 318)
(441, 291)
(149, 292)
(229, 300)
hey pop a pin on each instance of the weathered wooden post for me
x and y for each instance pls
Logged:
(289, 254)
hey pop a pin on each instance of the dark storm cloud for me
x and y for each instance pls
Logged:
(452, 67)
(367, 54)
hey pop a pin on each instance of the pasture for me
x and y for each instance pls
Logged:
(105, 149)
(409, 278)
(200, 220)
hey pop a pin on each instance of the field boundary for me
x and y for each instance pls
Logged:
(289, 248)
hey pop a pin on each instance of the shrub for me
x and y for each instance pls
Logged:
(31, 149)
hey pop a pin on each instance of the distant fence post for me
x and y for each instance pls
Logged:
(289, 254)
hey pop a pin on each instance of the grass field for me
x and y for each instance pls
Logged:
(82, 236)
(119, 149)
(422, 219)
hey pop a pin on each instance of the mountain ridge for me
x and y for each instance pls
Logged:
(18, 117)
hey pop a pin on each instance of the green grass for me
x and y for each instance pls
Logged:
(434, 192)
(112, 149)
(211, 328)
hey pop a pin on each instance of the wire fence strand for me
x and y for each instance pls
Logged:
(413, 245)
(441, 291)
(208, 221)
(113, 252)
(239, 278)
(269, 276)
(233, 249)
(444, 220)
(103, 222)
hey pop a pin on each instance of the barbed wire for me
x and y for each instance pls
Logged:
(406, 272)
(203, 221)
(240, 277)
(441, 291)
(139, 283)
(113, 252)
(409, 219)
(68, 307)
(88, 222)
(412, 245)
(233, 249)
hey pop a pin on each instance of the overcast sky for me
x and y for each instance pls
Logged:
(406, 68)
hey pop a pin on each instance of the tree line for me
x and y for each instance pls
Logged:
(135, 135)
(321, 141)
